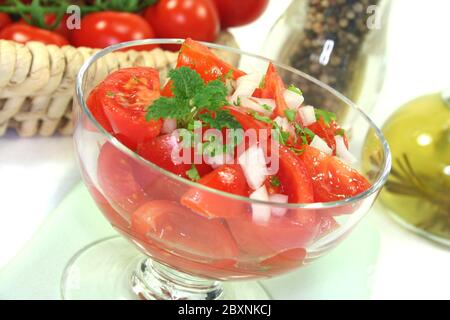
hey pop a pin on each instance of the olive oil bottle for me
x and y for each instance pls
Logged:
(418, 190)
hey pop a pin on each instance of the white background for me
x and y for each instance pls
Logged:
(36, 174)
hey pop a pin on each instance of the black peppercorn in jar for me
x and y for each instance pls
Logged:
(340, 42)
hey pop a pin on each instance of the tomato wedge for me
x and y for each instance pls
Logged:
(116, 179)
(200, 58)
(125, 97)
(175, 227)
(274, 89)
(159, 151)
(227, 178)
(332, 179)
(98, 112)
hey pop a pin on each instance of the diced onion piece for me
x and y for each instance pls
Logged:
(253, 163)
(260, 212)
(293, 100)
(218, 160)
(342, 151)
(245, 89)
(251, 77)
(257, 105)
(321, 145)
(307, 115)
(280, 198)
(169, 125)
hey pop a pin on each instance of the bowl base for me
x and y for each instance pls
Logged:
(113, 269)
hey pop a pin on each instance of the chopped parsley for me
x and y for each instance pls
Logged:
(275, 181)
(340, 132)
(290, 114)
(266, 107)
(262, 118)
(327, 116)
(295, 89)
(193, 174)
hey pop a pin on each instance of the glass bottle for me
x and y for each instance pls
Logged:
(340, 42)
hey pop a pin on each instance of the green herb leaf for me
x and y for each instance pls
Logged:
(266, 107)
(186, 82)
(275, 181)
(327, 116)
(237, 103)
(340, 132)
(290, 114)
(193, 174)
(280, 135)
(212, 96)
(262, 118)
(295, 89)
(168, 108)
(222, 119)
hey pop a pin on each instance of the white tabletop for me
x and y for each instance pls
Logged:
(37, 173)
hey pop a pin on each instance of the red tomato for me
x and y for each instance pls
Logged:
(200, 58)
(274, 89)
(159, 151)
(327, 132)
(287, 260)
(116, 179)
(175, 227)
(248, 122)
(294, 177)
(23, 33)
(196, 19)
(98, 112)
(50, 18)
(5, 20)
(125, 96)
(227, 178)
(235, 13)
(332, 179)
(102, 29)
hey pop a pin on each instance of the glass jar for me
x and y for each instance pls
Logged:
(340, 42)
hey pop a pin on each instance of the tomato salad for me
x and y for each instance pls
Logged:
(206, 93)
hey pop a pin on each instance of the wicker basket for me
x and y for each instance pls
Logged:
(37, 82)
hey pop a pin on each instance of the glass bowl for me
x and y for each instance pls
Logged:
(184, 255)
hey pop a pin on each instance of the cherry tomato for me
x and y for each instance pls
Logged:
(196, 19)
(332, 179)
(235, 13)
(327, 132)
(294, 177)
(50, 18)
(160, 151)
(5, 20)
(102, 29)
(23, 33)
(173, 226)
(199, 58)
(125, 96)
(98, 112)
(227, 178)
(274, 89)
(116, 179)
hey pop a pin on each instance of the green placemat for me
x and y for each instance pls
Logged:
(35, 273)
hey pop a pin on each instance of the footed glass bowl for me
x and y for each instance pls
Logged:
(184, 255)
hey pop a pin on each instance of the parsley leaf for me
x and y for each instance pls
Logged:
(266, 107)
(193, 174)
(280, 135)
(304, 133)
(340, 132)
(290, 114)
(275, 181)
(262, 118)
(193, 100)
(186, 82)
(295, 89)
(222, 119)
(327, 116)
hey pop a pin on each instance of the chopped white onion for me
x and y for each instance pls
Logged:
(256, 104)
(251, 77)
(169, 125)
(321, 145)
(280, 198)
(307, 115)
(342, 151)
(253, 163)
(260, 212)
(293, 100)
(244, 89)
(218, 160)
